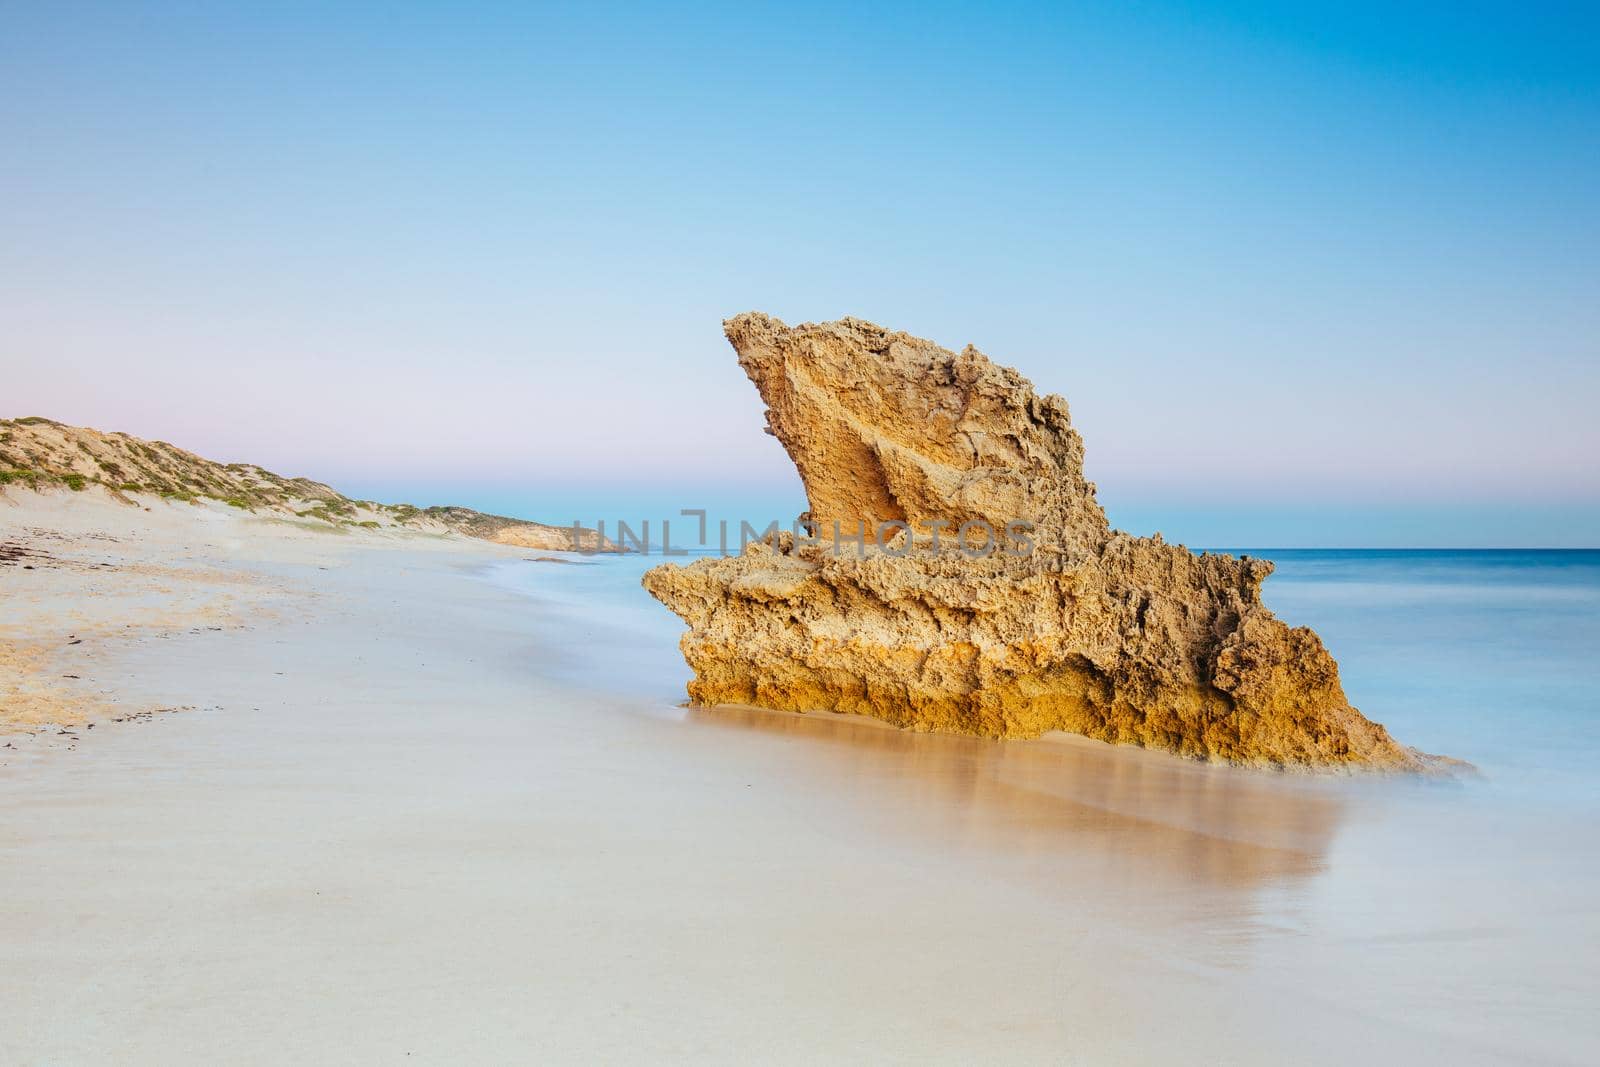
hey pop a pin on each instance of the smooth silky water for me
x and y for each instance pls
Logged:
(1441, 916)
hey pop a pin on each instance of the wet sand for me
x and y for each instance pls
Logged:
(417, 812)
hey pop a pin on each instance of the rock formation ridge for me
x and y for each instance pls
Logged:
(1083, 629)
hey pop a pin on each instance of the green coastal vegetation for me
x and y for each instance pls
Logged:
(42, 454)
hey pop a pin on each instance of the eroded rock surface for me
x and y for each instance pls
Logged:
(1092, 631)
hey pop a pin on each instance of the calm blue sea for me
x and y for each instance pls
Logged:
(1455, 920)
(1491, 656)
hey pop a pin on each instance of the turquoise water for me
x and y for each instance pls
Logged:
(1425, 921)
(1488, 656)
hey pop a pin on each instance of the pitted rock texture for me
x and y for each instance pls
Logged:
(884, 426)
(1126, 639)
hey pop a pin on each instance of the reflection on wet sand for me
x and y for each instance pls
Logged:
(1152, 825)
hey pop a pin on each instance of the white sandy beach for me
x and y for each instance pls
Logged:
(971, 534)
(388, 824)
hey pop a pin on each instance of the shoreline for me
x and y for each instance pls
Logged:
(417, 810)
(92, 578)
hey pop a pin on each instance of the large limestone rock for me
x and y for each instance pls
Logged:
(1078, 628)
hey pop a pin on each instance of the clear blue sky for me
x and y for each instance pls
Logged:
(1305, 277)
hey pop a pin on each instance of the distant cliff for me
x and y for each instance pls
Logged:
(39, 453)
(1065, 625)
